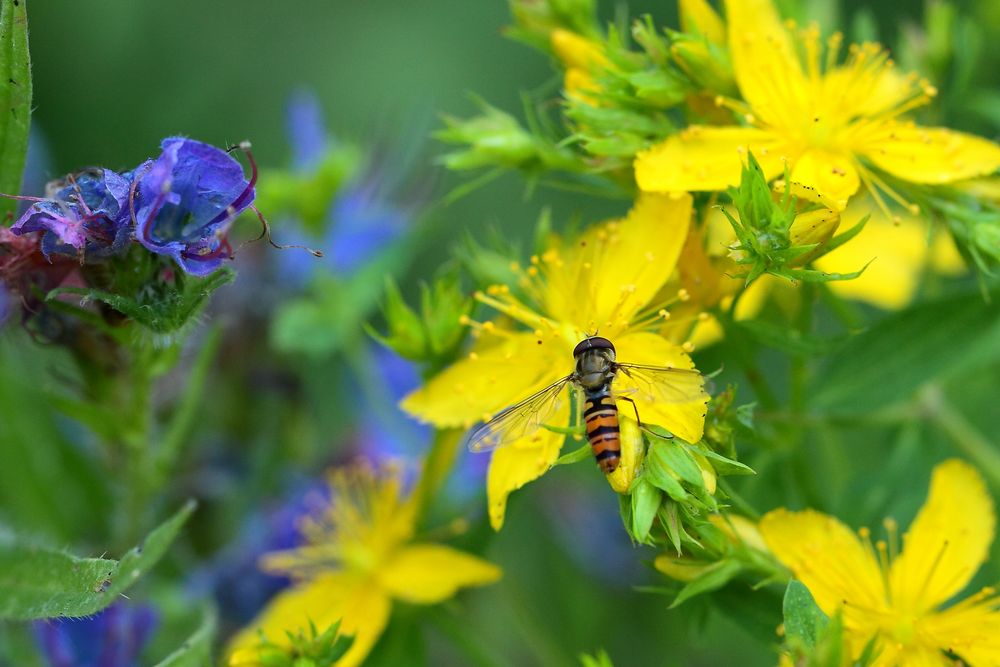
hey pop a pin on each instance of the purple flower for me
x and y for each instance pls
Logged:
(86, 215)
(186, 200)
(113, 637)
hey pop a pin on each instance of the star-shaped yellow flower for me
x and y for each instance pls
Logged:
(836, 125)
(607, 280)
(899, 596)
(359, 557)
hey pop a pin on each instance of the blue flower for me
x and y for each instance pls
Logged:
(361, 220)
(186, 200)
(113, 637)
(86, 215)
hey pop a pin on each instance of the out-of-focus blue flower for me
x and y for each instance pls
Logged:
(113, 637)
(385, 433)
(234, 578)
(186, 200)
(86, 215)
(362, 218)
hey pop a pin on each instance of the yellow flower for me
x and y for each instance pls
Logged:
(899, 251)
(831, 122)
(360, 555)
(899, 595)
(580, 56)
(607, 280)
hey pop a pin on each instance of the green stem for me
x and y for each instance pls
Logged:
(437, 465)
(940, 412)
(136, 448)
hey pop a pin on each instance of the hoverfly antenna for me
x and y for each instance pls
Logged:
(592, 343)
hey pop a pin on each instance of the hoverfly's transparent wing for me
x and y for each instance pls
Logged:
(519, 420)
(657, 384)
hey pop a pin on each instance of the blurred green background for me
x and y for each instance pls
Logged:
(113, 78)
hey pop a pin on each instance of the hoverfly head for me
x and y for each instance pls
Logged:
(594, 343)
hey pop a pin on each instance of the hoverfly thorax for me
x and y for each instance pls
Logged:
(595, 359)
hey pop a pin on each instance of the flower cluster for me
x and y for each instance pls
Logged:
(180, 205)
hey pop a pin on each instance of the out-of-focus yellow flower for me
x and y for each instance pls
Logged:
(360, 556)
(897, 253)
(897, 595)
(831, 122)
(579, 56)
(607, 280)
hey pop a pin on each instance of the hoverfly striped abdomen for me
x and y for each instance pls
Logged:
(600, 417)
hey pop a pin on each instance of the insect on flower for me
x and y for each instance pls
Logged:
(595, 372)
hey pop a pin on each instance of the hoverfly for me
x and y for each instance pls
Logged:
(593, 375)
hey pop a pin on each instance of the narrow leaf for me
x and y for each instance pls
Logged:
(803, 619)
(15, 99)
(196, 651)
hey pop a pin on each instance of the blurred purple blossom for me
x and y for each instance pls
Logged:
(114, 637)
(6, 304)
(186, 200)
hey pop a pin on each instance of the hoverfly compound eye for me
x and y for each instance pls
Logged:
(593, 343)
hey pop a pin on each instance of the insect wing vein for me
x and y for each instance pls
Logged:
(519, 420)
(656, 384)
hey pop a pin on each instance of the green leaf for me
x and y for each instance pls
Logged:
(803, 619)
(15, 99)
(196, 651)
(42, 583)
(720, 574)
(579, 454)
(787, 339)
(165, 313)
(669, 455)
(893, 359)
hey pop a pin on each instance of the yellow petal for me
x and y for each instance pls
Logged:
(897, 252)
(432, 573)
(830, 560)
(362, 607)
(613, 271)
(740, 530)
(698, 17)
(487, 381)
(970, 628)
(575, 50)
(706, 158)
(681, 569)
(930, 154)
(947, 542)
(832, 175)
(767, 68)
(633, 450)
(686, 419)
(521, 462)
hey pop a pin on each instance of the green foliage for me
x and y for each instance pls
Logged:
(306, 195)
(804, 621)
(496, 139)
(159, 306)
(15, 99)
(763, 227)
(873, 370)
(534, 20)
(436, 331)
(308, 648)
(599, 659)
(39, 582)
(196, 651)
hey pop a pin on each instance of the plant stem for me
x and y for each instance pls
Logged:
(437, 465)
(940, 412)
